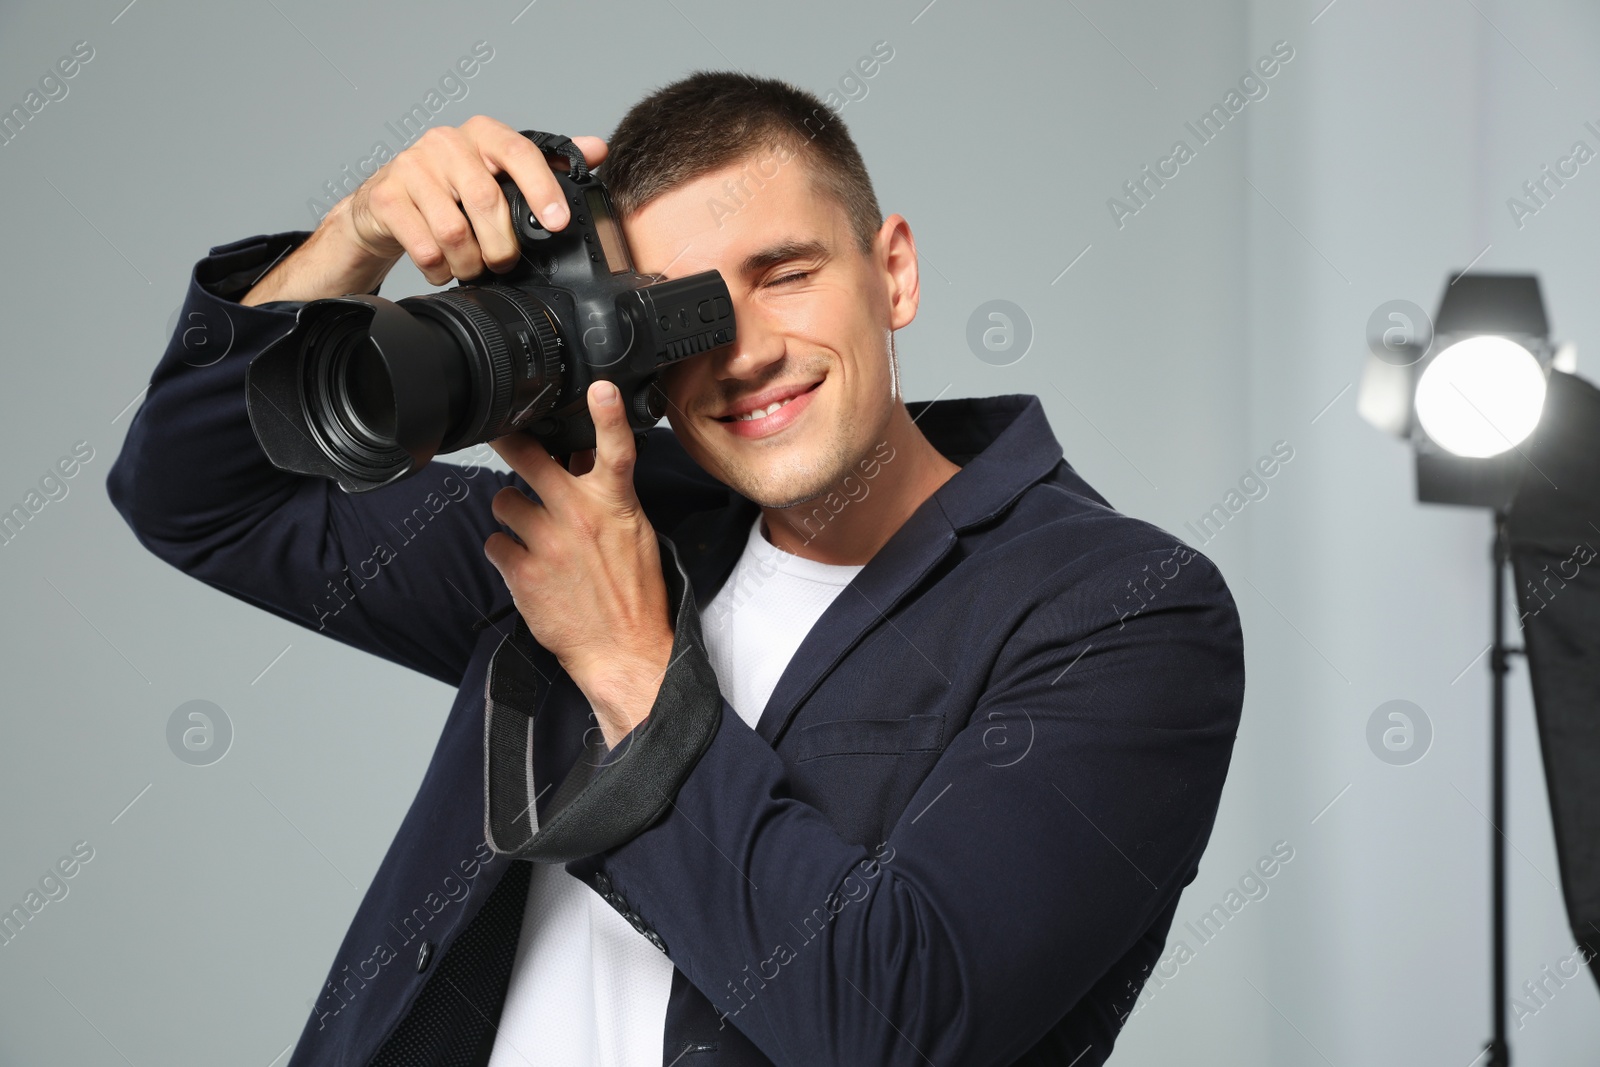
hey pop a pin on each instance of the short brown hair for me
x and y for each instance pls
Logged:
(712, 119)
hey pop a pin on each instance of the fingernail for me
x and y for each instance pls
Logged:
(554, 214)
(608, 393)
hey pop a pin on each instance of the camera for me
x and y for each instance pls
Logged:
(366, 391)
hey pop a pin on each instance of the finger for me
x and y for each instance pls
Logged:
(486, 208)
(503, 552)
(613, 442)
(525, 455)
(513, 509)
(391, 207)
(448, 224)
(449, 155)
(507, 151)
(593, 148)
(580, 463)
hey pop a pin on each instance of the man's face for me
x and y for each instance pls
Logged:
(815, 321)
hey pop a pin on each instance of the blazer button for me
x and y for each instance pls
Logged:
(603, 884)
(655, 939)
(424, 956)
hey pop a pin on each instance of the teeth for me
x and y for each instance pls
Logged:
(761, 413)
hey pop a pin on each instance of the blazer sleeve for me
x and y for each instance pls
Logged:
(607, 795)
(398, 572)
(1003, 893)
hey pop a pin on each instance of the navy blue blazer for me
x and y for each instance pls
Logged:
(960, 828)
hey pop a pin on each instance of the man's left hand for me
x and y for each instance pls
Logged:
(587, 573)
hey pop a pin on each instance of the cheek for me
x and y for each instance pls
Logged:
(836, 321)
(810, 321)
(678, 383)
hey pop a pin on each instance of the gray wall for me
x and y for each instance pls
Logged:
(1225, 316)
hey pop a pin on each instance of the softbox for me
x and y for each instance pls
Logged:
(1553, 525)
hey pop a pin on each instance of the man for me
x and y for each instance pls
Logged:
(904, 741)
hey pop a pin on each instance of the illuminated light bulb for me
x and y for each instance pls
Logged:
(1481, 396)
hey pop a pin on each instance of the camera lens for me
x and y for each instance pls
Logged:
(386, 386)
(368, 392)
(508, 354)
(348, 392)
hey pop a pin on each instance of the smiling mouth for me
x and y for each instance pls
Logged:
(761, 413)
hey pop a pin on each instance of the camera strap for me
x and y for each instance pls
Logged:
(560, 144)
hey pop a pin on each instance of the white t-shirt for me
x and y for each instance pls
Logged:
(587, 990)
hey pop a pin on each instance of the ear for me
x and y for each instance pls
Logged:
(896, 255)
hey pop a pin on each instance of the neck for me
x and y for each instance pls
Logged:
(851, 520)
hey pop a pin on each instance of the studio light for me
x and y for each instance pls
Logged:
(1481, 396)
(1498, 418)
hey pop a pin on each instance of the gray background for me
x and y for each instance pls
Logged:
(1227, 315)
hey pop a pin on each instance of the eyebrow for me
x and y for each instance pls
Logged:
(778, 253)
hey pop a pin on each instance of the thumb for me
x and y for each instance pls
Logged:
(613, 443)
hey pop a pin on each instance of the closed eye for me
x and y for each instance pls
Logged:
(794, 276)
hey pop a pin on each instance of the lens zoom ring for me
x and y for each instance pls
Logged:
(548, 340)
(492, 336)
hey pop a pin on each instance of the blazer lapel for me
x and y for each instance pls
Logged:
(915, 549)
(1003, 445)
(710, 544)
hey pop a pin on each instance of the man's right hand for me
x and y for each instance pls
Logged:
(438, 202)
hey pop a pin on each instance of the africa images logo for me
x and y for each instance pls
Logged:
(1141, 189)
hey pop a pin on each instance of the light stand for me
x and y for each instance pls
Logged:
(1466, 410)
(1499, 655)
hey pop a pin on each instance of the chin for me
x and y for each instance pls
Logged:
(779, 488)
(787, 481)
(790, 501)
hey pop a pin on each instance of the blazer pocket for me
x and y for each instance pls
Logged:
(869, 737)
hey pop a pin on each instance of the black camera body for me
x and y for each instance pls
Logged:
(367, 391)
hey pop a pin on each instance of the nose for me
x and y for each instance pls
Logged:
(757, 345)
